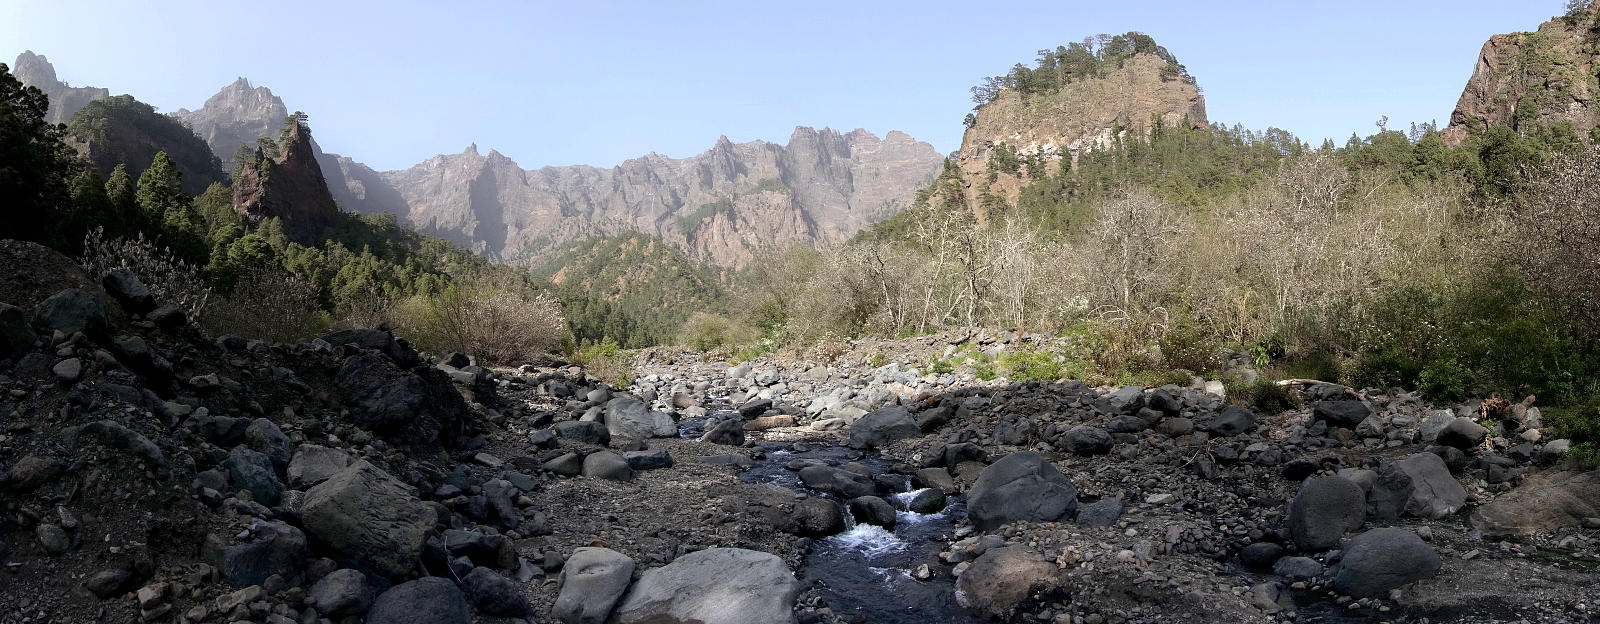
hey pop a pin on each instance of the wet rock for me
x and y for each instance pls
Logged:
(272, 547)
(1462, 433)
(808, 516)
(882, 426)
(1383, 559)
(606, 465)
(872, 510)
(1546, 502)
(1021, 486)
(1434, 494)
(927, 501)
(430, 600)
(937, 478)
(1087, 440)
(1323, 511)
(591, 584)
(494, 594)
(313, 464)
(1002, 579)
(343, 592)
(1101, 513)
(842, 482)
(713, 586)
(371, 517)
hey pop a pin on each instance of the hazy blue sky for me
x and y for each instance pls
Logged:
(392, 83)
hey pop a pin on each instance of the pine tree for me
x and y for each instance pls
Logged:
(160, 189)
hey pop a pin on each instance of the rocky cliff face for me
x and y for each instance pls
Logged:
(35, 70)
(1084, 115)
(289, 186)
(1530, 78)
(237, 115)
(720, 206)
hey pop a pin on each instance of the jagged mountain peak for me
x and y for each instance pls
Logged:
(1527, 79)
(237, 115)
(35, 70)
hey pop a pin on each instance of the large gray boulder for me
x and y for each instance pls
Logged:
(16, 334)
(371, 517)
(269, 547)
(606, 465)
(882, 426)
(494, 594)
(429, 600)
(72, 310)
(630, 418)
(313, 464)
(1021, 486)
(1434, 493)
(1462, 433)
(1323, 510)
(713, 586)
(1087, 440)
(252, 471)
(342, 592)
(1383, 559)
(592, 581)
(134, 296)
(836, 480)
(1002, 579)
(416, 406)
(1347, 414)
(810, 516)
(1546, 502)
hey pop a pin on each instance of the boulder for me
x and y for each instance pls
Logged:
(72, 310)
(872, 510)
(882, 426)
(713, 586)
(271, 547)
(16, 334)
(380, 340)
(630, 418)
(263, 436)
(926, 501)
(591, 584)
(313, 464)
(1383, 559)
(126, 288)
(1462, 433)
(1002, 580)
(1389, 492)
(1232, 421)
(430, 600)
(371, 517)
(1021, 486)
(648, 460)
(729, 431)
(808, 516)
(1347, 414)
(1101, 513)
(494, 594)
(252, 471)
(1260, 556)
(343, 592)
(1323, 511)
(587, 432)
(1086, 440)
(1546, 502)
(1298, 568)
(1434, 492)
(606, 465)
(841, 482)
(415, 406)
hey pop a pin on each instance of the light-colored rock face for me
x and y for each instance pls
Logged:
(237, 115)
(35, 70)
(1542, 77)
(1083, 116)
(720, 206)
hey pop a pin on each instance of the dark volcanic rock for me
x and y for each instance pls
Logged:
(1345, 414)
(430, 600)
(1383, 559)
(1021, 486)
(418, 407)
(883, 426)
(1324, 510)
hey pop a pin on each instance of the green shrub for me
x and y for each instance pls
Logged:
(1264, 396)
(704, 332)
(1581, 425)
(1445, 380)
(1032, 366)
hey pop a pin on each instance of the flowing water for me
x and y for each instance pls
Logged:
(866, 570)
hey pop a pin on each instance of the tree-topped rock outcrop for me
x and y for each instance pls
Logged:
(35, 70)
(1077, 98)
(122, 130)
(1527, 79)
(287, 185)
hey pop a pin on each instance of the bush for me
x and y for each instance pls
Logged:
(1264, 396)
(1032, 366)
(268, 303)
(606, 361)
(170, 279)
(1582, 426)
(497, 322)
(705, 331)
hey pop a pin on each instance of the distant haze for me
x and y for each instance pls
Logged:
(394, 83)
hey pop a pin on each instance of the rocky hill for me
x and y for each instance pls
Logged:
(121, 129)
(35, 70)
(288, 185)
(236, 116)
(1547, 76)
(1083, 114)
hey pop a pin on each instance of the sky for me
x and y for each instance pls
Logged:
(595, 82)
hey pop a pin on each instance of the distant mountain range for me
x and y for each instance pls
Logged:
(719, 207)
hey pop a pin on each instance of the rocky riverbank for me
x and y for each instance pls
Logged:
(155, 474)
